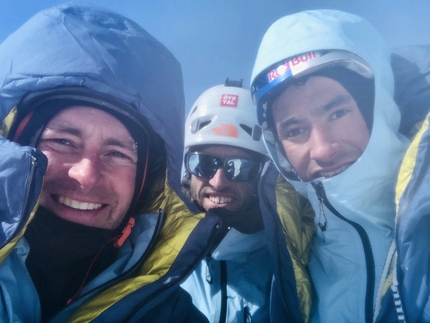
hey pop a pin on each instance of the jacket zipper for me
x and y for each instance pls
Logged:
(367, 248)
(247, 317)
(223, 278)
(130, 271)
(23, 219)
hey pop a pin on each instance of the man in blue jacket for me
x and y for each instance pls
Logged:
(224, 157)
(223, 163)
(84, 109)
(323, 85)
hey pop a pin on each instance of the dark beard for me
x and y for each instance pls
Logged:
(248, 221)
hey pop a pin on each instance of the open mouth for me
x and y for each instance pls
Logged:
(220, 199)
(74, 204)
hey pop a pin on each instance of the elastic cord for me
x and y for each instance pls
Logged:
(22, 125)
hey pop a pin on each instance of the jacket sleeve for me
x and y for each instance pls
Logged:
(297, 219)
(412, 228)
(288, 220)
(21, 175)
(177, 308)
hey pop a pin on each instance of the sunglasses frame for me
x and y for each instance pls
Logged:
(222, 163)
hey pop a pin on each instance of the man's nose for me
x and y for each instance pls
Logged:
(219, 180)
(324, 146)
(86, 172)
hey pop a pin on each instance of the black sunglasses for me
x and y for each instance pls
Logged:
(235, 169)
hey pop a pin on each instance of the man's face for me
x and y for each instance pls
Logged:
(91, 167)
(320, 127)
(218, 191)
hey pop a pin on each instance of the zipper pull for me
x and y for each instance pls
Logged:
(208, 275)
(319, 189)
(247, 317)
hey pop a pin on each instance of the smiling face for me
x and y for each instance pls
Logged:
(91, 172)
(218, 191)
(320, 127)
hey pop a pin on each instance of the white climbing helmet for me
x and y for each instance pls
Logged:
(224, 115)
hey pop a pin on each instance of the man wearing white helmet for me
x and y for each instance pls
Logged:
(323, 86)
(224, 156)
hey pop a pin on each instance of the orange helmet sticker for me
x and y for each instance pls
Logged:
(226, 130)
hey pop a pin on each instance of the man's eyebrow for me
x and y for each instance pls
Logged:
(287, 123)
(128, 143)
(60, 127)
(336, 101)
(123, 143)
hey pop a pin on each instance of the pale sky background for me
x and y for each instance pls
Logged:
(216, 39)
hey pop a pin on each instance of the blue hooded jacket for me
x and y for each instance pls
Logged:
(347, 258)
(79, 46)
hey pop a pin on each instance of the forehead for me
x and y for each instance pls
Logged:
(85, 119)
(316, 95)
(224, 151)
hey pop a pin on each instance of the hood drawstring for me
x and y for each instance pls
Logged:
(119, 240)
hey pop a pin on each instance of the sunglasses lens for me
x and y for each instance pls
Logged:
(200, 165)
(235, 169)
(241, 169)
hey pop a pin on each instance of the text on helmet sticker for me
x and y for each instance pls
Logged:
(289, 64)
(226, 130)
(229, 100)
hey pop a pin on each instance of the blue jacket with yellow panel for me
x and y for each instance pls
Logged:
(79, 47)
(84, 47)
(404, 292)
(354, 209)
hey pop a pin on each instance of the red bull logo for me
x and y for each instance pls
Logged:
(289, 64)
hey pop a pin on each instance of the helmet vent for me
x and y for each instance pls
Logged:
(203, 124)
(197, 125)
(256, 133)
(247, 129)
(194, 109)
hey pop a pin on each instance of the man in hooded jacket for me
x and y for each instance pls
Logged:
(224, 155)
(112, 238)
(323, 86)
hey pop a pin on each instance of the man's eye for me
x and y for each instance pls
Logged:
(122, 157)
(118, 154)
(293, 132)
(338, 114)
(61, 141)
(56, 142)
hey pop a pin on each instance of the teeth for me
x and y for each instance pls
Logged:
(78, 205)
(335, 172)
(220, 199)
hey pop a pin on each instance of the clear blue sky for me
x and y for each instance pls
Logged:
(216, 39)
